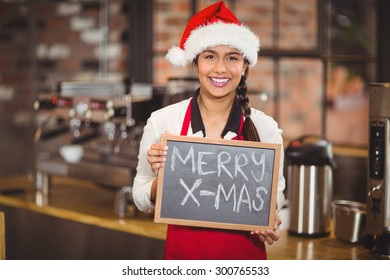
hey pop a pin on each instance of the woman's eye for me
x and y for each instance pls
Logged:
(232, 58)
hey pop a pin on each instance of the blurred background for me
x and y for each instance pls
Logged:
(90, 72)
(316, 59)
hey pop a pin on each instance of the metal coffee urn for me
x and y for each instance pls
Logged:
(377, 229)
(310, 185)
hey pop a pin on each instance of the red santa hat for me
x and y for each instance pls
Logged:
(215, 25)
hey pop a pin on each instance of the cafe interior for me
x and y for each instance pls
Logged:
(80, 78)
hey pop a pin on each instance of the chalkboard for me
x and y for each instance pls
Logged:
(218, 183)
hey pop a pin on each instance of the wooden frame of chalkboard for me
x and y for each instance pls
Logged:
(225, 184)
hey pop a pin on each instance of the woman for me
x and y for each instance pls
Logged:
(221, 50)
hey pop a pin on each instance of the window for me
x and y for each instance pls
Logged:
(350, 67)
(316, 60)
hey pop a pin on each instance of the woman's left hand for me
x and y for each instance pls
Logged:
(270, 236)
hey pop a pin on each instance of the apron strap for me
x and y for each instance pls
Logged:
(187, 120)
(239, 135)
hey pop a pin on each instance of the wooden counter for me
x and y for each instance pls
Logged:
(76, 200)
(76, 221)
(83, 202)
(327, 248)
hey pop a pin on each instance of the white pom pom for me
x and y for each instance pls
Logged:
(176, 56)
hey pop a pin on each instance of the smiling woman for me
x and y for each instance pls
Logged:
(221, 50)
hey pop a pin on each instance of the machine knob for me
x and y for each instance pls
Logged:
(115, 113)
(41, 104)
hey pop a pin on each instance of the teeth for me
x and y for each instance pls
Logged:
(220, 81)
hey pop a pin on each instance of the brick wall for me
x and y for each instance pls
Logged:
(170, 19)
(43, 42)
(46, 41)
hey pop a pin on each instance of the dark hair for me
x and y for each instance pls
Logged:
(249, 131)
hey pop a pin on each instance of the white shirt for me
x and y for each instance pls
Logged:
(170, 119)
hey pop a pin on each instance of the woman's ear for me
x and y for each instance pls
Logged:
(245, 69)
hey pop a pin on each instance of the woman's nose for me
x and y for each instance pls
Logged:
(220, 66)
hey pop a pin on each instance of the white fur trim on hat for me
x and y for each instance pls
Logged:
(176, 56)
(219, 33)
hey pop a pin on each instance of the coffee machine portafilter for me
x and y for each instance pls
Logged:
(377, 228)
(98, 116)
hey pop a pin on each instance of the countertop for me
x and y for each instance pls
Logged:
(76, 200)
(291, 247)
(85, 202)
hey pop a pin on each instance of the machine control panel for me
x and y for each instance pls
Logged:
(377, 149)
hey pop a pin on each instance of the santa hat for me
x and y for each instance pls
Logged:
(215, 25)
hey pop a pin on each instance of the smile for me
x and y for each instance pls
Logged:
(219, 81)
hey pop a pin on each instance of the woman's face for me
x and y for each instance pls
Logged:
(219, 70)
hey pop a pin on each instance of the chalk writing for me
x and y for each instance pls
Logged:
(189, 191)
(241, 162)
(227, 182)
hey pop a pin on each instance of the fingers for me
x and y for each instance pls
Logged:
(273, 235)
(157, 150)
(268, 235)
(261, 237)
(278, 221)
(157, 156)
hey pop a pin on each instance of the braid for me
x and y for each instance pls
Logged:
(242, 95)
(249, 131)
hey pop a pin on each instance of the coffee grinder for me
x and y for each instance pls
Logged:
(377, 228)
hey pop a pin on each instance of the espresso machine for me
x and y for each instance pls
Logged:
(377, 228)
(97, 115)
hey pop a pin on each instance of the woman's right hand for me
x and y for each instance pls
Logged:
(157, 156)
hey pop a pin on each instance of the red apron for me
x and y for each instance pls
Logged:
(195, 243)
